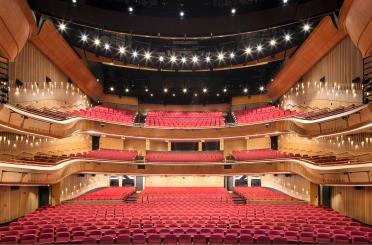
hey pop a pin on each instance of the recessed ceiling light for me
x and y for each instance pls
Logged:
(173, 58)
(173, 95)
(84, 38)
(184, 90)
(262, 88)
(272, 42)
(112, 89)
(287, 37)
(183, 59)
(208, 59)
(151, 94)
(220, 56)
(146, 90)
(225, 90)
(195, 59)
(205, 90)
(127, 90)
(248, 50)
(62, 26)
(306, 27)
(285, 1)
(195, 94)
(107, 46)
(161, 58)
(233, 11)
(74, 1)
(165, 90)
(134, 54)
(182, 13)
(97, 42)
(259, 48)
(245, 90)
(130, 9)
(218, 94)
(121, 50)
(147, 55)
(232, 55)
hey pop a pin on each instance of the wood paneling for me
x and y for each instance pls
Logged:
(159, 107)
(158, 146)
(16, 203)
(258, 143)
(184, 181)
(111, 143)
(354, 203)
(51, 43)
(122, 100)
(251, 99)
(339, 67)
(135, 144)
(324, 37)
(292, 184)
(234, 145)
(15, 27)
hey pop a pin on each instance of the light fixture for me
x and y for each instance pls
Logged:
(195, 94)
(245, 90)
(127, 90)
(62, 26)
(173, 58)
(146, 90)
(183, 59)
(259, 47)
(220, 56)
(195, 59)
(151, 94)
(161, 58)
(165, 90)
(173, 95)
(97, 42)
(248, 50)
(134, 54)
(84, 38)
(306, 27)
(147, 55)
(262, 88)
(233, 11)
(74, 1)
(225, 90)
(208, 59)
(287, 37)
(232, 55)
(182, 14)
(218, 94)
(107, 46)
(184, 90)
(111, 88)
(121, 50)
(205, 90)
(285, 1)
(130, 9)
(272, 42)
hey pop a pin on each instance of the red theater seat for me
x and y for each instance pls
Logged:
(154, 156)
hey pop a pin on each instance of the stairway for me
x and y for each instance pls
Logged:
(132, 198)
(237, 199)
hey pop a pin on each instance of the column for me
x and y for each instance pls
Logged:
(222, 145)
(246, 143)
(169, 145)
(249, 180)
(147, 144)
(55, 193)
(314, 194)
(200, 145)
(120, 180)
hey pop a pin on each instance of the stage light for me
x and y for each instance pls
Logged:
(233, 11)
(182, 14)
(220, 56)
(194, 59)
(259, 48)
(121, 50)
(165, 90)
(262, 88)
(248, 50)
(84, 38)
(306, 27)
(112, 89)
(147, 55)
(107, 46)
(183, 59)
(134, 54)
(208, 59)
(161, 58)
(97, 42)
(287, 37)
(272, 42)
(184, 90)
(62, 26)
(130, 9)
(225, 90)
(245, 90)
(173, 59)
(205, 90)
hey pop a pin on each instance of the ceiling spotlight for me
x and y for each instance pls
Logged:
(146, 90)
(130, 9)
(173, 58)
(107, 46)
(259, 48)
(173, 95)
(218, 94)
(182, 13)
(245, 90)
(208, 59)
(184, 90)
(165, 90)
(151, 94)
(183, 59)
(161, 58)
(232, 55)
(147, 55)
(272, 42)
(126, 90)
(121, 50)
(287, 37)
(84, 38)
(306, 27)
(194, 59)
(248, 50)
(74, 1)
(225, 90)
(97, 42)
(220, 56)
(233, 11)
(285, 1)
(262, 88)
(134, 54)
(62, 26)
(204, 90)
(195, 94)
(111, 88)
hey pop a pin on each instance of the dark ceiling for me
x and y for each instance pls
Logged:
(154, 26)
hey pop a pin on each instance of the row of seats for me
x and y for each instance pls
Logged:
(184, 119)
(266, 113)
(258, 154)
(120, 155)
(260, 193)
(103, 113)
(58, 115)
(109, 193)
(153, 156)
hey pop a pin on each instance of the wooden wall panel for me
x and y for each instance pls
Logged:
(293, 185)
(354, 203)
(16, 203)
(234, 145)
(210, 107)
(76, 185)
(122, 100)
(111, 143)
(158, 146)
(258, 143)
(339, 67)
(184, 181)
(251, 99)
(135, 144)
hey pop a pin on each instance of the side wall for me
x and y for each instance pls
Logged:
(16, 203)
(184, 181)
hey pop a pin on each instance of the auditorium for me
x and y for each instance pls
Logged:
(185, 122)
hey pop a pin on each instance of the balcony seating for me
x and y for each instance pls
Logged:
(262, 114)
(111, 193)
(120, 155)
(326, 112)
(258, 154)
(259, 193)
(51, 113)
(184, 119)
(189, 222)
(106, 114)
(154, 156)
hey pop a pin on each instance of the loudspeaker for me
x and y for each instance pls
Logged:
(227, 166)
(141, 166)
